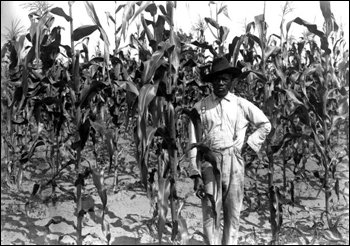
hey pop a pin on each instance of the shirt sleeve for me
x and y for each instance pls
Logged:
(256, 117)
(192, 154)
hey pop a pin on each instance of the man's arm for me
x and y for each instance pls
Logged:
(194, 171)
(192, 154)
(256, 117)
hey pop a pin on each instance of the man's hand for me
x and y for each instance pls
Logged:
(198, 186)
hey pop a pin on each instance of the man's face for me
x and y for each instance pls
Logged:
(222, 84)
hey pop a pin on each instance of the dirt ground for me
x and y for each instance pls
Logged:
(129, 210)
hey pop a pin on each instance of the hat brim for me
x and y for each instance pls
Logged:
(231, 70)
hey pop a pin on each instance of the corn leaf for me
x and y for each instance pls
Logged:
(163, 205)
(83, 31)
(212, 22)
(60, 12)
(106, 230)
(152, 9)
(223, 33)
(129, 10)
(128, 86)
(143, 6)
(196, 121)
(107, 134)
(151, 65)
(225, 11)
(175, 55)
(89, 91)
(145, 27)
(90, 9)
(159, 29)
(109, 16)
(147, 93)
(98, 180)
(313, 29)
(120, 7)
(84, 130)
(277, 212)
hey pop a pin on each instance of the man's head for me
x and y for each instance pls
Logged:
(221, 76)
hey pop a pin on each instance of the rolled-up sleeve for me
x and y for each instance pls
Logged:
(192, 154)
(257, 118)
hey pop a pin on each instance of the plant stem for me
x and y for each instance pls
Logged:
(172, 131)
(71, 32)
(325, 164)
(115, 28)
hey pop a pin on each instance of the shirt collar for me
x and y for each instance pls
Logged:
(227, 97)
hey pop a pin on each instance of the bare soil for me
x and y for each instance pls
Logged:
(24, 220)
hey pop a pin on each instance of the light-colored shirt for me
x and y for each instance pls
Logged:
(225, 121)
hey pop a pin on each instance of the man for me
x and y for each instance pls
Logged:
(224, 118)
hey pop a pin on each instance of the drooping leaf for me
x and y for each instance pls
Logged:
(76, 74)
(257, 73)
(105, 47)
(152, 65)
(144, 5)
(162, 9)
(25, 157)
(196, 121)
(261, 25)
(205, 45)
(90, 9)
(120, 7)
(225, 11)
(147, 30)
(313, 29)
(175, 55)
(98, 180)
(147, 93)
(84, 130)
(24, 88)
(326, 9)
(212, 22)
(277, 211)
(89, 91)
(223, 33)
(271, 51)
(108, 136)
(83, 31)
(169, 8)
(129, 86)
(60, 12)
(129, 10)
(208, 154)
(249, 26)
(68, 50)
(152, 9)
(159, 29)
(109, 16)
(294, 96)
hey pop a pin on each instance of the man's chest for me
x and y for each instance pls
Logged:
(219, 112)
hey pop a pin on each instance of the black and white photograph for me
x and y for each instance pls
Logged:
(174, 122)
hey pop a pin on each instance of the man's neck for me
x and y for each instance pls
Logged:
(220, 98)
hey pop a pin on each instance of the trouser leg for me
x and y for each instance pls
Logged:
(233, 188)
(212, 233)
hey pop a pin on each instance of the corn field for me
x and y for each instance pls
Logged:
(70, 120)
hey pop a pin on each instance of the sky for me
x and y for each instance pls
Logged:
(185, 16)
